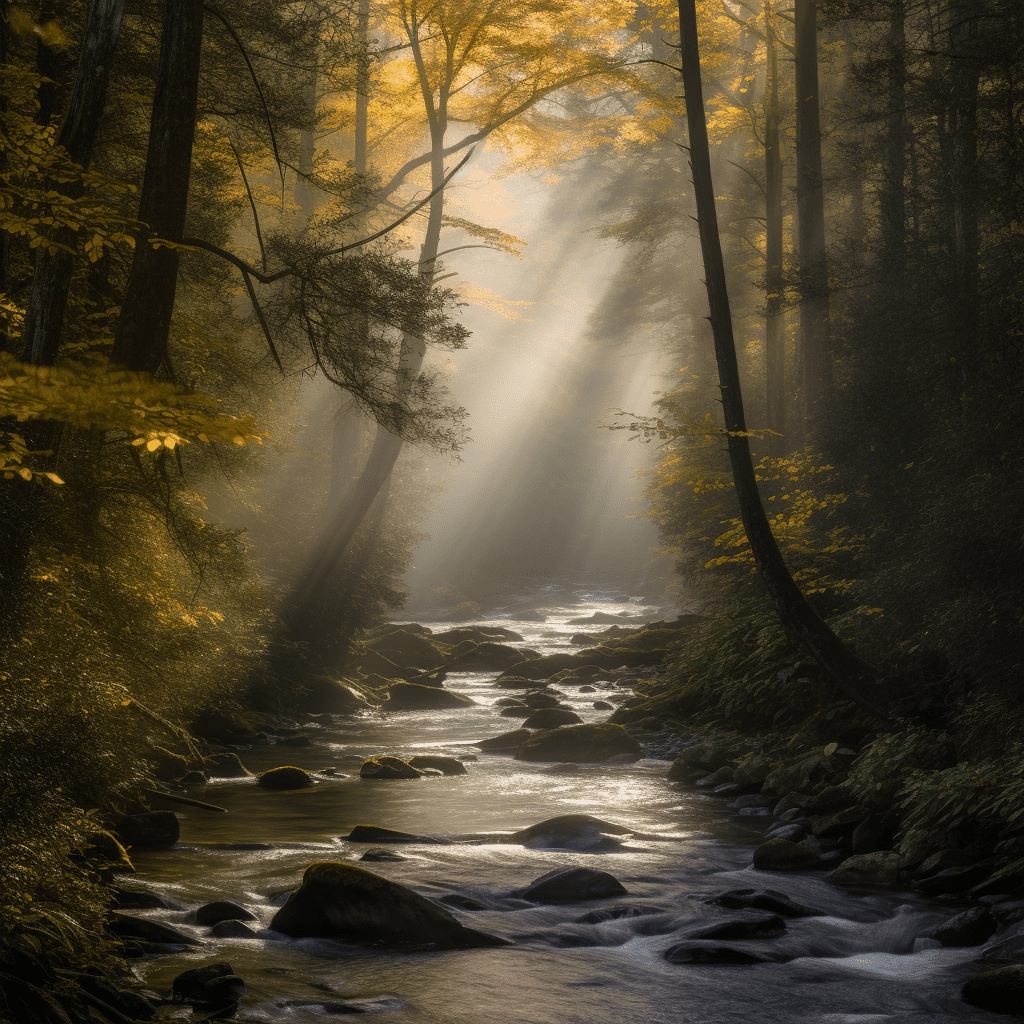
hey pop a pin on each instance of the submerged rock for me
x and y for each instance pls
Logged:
(763, 899)
(377, 834)
(700, 953)
(285, 777)
(127, 927)
(345, 902)
(752, 925)
(232, 930)
(970, 928)
(381, 855)
(567, 885)
(578, 743)
(414, 697)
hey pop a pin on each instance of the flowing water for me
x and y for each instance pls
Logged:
(854, 964)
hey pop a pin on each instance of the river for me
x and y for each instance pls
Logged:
(855, 963)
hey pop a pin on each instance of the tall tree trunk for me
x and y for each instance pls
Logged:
(850, 674)
(41, 335)
(775, 327)
(892, 199)
(965, 75)
(815, 322)
(140, 342)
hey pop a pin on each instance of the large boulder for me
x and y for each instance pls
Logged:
(285, 777)
(478, 634)
(551, 718)
(409, 650)
(348, 903)
(567, 885)
(214, 986)
(1000, 991)
(227, 765)
(487, 657)
(883, 866)
(222, 910)
(579, 743)
(413, 697)
(504, 741)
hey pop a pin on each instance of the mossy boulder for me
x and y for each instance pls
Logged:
(579, 743)
(324, 695)
(487, 656)
(285, 777)
(1000, 991)
(409, 650)
(414, 697)
(869, 867)
(348, 903)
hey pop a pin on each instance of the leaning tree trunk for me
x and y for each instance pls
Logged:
(140, 342)
(850, 674)
(815, 322)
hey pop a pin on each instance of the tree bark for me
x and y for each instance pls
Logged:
(892, 200)
(140, 342)
(52, 280)
(815, 321)
(775, 328)
(850, 674)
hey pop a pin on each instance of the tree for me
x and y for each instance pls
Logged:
(853, 676)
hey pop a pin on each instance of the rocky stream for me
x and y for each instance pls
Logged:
(557, 876)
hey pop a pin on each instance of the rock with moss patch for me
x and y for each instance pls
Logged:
(579, 743)
(285, 777)
(325, 695)
(348, 903)
(883, 866)
(387, 767)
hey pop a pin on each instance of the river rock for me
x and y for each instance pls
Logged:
(551, 718)
(752, 925)
(345, 902)
(513, 682)
(953, 880)
(538, 699)
(414, 697)
(517, 710)
(222, 910)
(439, 762)
(478, 634)
(970, 928)
(409, 650)
(701, 953)
(380, 856)
(127, 927)
(212, 986)
(782, 855)
(505, 741)
(580, 832)
(387, 767)
(285, 777)
(579, 743)
(152, 828)
(567, 885)
(324, 695)
(232, 930)
(772, 900)
(377, 834)
(792, 830)
(839, 823)
(1000, 991)
(883, 866)
(298, 740)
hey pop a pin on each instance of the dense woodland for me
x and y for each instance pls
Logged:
(206, 211)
